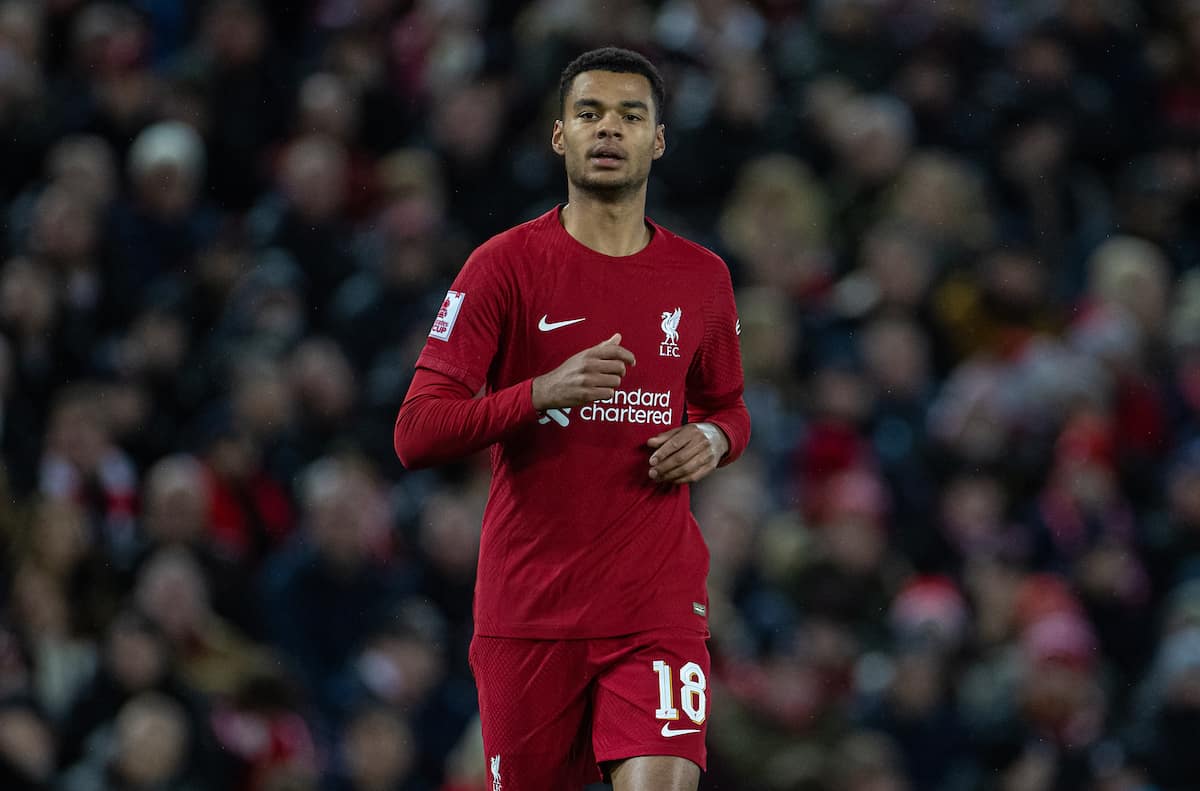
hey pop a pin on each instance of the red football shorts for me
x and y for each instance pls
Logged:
(555, 711)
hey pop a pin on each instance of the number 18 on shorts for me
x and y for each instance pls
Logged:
(692, 697)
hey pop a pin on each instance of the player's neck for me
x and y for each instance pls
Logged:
(611, 228)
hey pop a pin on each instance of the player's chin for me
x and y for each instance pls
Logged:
(606, 180)
(614, 182)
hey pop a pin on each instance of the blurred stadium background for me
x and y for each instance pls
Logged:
(962, 553)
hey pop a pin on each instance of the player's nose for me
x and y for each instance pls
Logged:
(609, 126)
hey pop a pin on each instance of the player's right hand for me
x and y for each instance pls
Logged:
(591, 375)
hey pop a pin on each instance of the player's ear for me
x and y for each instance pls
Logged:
(660, 140)
(556, 138)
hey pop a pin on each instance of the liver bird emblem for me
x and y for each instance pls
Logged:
(670, 325)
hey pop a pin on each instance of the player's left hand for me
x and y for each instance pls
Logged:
(686, 454)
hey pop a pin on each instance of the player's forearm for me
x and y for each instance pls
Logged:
(734, 422)
(435, 426)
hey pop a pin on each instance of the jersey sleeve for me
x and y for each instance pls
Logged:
(470, 324)
(715, 380)
(441, 421)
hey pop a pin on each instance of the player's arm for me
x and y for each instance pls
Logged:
(718, 427)
(440, 420)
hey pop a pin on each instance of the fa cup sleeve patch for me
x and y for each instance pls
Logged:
(443, 325)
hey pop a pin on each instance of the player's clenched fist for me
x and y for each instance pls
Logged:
(591, 375)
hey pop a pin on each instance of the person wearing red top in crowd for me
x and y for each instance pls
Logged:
(597, 354)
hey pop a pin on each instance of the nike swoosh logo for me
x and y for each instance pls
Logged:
(546, 326)
(668, 732)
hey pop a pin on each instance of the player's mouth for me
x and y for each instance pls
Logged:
(606, 157)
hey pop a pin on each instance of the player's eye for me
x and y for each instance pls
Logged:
(588, 115)
(632, 117)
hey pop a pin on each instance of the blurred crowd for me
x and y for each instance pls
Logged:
(963, 551)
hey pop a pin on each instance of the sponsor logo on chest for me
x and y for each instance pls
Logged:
(638, 406)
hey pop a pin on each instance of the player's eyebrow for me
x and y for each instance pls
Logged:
(625, 104)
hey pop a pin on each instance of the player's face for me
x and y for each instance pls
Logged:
(608, 135)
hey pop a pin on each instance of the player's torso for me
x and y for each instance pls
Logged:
(573, 511)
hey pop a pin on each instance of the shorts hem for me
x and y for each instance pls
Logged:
(621, 755)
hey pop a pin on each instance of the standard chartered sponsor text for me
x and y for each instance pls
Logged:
(631, 406)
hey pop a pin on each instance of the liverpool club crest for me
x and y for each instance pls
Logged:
(670, 327)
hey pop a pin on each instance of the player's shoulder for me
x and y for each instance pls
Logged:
(691, 253)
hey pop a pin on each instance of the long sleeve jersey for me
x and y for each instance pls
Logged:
(577, 540)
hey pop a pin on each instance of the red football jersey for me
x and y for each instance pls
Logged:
(577, 540)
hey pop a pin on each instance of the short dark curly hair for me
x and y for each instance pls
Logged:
(621, 61)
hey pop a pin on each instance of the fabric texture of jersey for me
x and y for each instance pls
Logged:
(577, 540)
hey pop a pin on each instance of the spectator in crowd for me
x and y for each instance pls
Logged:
(27, 746)
(327, 107)
(176, 512)
(31, 316)
(776, 222)
(328, 403)
(62, 661)
(81, 463)
(166, 222)
(328, 589)
(377, 753)
(60, 544)
(146, 750)
(403, 665)
(307, 218)
(249, 511)
(136, 658)
(404, 254)
(246, 84)
(266, 741)
(211, 654)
